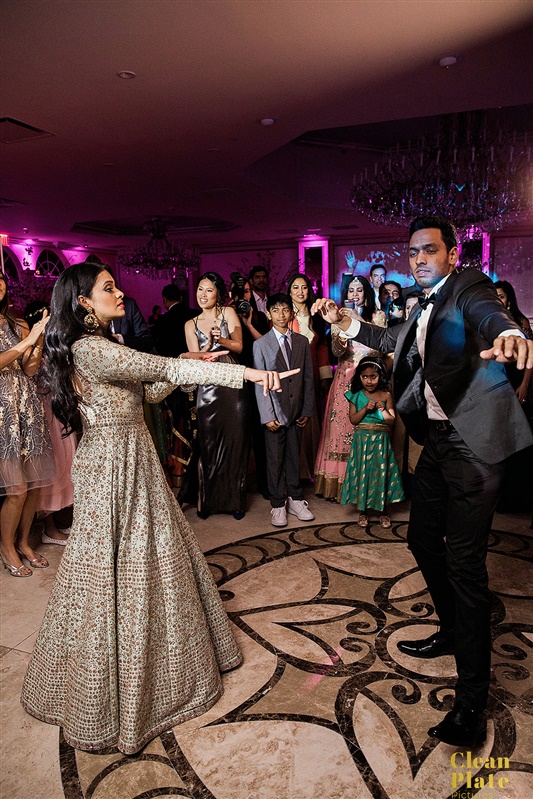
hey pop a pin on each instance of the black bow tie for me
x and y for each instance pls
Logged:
(425, 301)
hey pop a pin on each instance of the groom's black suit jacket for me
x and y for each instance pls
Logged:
(474, 393)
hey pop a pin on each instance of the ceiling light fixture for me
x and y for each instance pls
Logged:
(159, 258)
(477, 174)
(267, 121)
(448, 61)
(126, 74)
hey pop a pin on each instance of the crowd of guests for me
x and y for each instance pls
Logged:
(337, 427)
(213, 379)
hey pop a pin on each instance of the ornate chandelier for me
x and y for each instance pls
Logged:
(159, 258)
(468, 169)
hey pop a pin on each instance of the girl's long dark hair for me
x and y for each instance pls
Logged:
(6, 313)
(512, 303)
(379, 366)
(369, 307)
(64, 328)
(318, 324)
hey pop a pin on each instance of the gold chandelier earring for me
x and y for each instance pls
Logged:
(90, 321)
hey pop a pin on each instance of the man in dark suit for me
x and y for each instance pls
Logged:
(169, 338)
(284, 414)
(131, 329)
(453, 395)
(169, 330)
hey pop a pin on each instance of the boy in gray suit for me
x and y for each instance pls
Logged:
(285, 414)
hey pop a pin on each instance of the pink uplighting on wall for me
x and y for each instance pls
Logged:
(313, 241)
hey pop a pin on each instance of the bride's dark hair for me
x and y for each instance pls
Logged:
(64, 328)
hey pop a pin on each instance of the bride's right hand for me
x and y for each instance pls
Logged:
(268, 379)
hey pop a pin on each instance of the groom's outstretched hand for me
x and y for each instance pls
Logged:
(508, 349)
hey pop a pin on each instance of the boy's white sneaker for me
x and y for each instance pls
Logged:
(278, 517)
(300, 509)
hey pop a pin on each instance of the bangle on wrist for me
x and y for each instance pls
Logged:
(37, 349)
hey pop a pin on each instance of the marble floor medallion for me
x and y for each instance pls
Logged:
(325, 706)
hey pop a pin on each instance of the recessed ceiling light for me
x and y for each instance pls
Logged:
(268, 121)
(214, 150)
(448, 61)
(126, 74)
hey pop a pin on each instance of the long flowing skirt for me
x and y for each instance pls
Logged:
(372, 477)
(135, 635)
(336, 438)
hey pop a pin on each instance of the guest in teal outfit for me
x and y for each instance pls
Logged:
(372, 476)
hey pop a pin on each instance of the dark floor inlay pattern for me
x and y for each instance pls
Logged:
(322, 608)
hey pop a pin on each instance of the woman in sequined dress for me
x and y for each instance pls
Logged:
(223, 415)
(26, 460)
(358, 297)
(134, 636)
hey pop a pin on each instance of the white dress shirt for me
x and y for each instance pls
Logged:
(434, 410)
(280, 337)
(260, 302)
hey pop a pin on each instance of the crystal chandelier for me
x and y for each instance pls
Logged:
(471, 171)
(159, 258)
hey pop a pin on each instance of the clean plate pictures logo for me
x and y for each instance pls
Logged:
(466, 784)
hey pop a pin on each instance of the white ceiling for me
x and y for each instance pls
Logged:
(206, 72)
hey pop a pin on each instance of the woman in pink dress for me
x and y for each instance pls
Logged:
(357, 296)
(58, 494)
(300, 290)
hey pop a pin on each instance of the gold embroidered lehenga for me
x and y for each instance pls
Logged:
(135, 636)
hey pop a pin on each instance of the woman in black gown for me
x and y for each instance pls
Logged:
(223, 429)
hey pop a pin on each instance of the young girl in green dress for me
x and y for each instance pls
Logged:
(372, 476)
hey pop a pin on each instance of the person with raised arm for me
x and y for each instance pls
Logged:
(134, 636)
(451, 390)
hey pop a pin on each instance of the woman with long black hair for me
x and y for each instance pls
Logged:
(300, 290)
(26, 459)
(135, 636)
(357, 296)
(223, 426)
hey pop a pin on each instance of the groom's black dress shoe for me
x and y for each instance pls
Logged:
(433, 647)
(461, 727)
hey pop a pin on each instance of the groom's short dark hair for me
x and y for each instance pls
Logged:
(447, 230)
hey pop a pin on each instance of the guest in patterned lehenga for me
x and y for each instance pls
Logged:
(135, 636)
(300, 290)
(372, 479)
(357, 296)
(26, 460)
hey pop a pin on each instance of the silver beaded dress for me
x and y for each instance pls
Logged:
(26, 457)
(135, 636)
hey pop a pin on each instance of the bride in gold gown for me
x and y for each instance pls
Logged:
(134, 637)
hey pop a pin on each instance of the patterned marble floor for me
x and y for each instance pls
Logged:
(324, 706)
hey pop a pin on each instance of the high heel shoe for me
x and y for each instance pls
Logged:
(16, 571)
(38, 563)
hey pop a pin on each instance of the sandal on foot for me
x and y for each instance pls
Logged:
(385, 522)
(362, 520)
(38, 563)
(17, 571)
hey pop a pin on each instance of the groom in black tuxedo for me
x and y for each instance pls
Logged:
(451, 390)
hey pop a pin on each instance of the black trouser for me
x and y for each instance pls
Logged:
(283, 464)
(454, 498)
